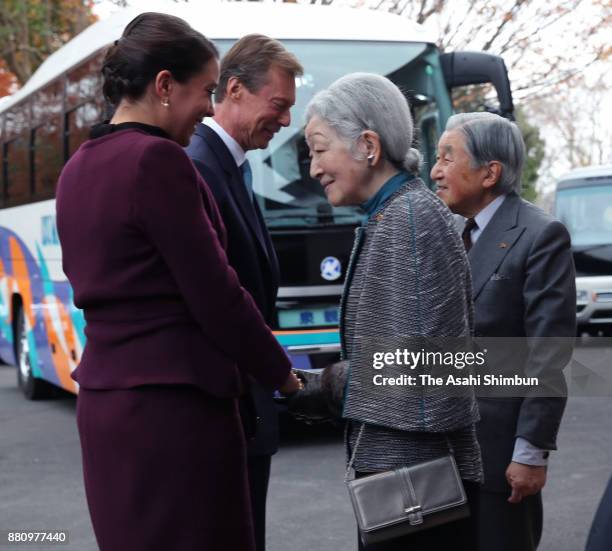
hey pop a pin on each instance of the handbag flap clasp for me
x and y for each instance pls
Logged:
(412, 507)
(415, 515)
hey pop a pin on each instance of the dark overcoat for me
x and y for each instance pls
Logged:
(250, 252)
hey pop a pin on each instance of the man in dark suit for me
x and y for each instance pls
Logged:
(255, 93)
(523, 286)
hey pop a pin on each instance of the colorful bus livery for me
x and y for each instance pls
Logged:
(43, 124)
(40, 329)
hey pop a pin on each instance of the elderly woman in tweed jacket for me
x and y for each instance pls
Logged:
(408, 277)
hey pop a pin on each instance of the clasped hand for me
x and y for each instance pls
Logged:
(292, 385)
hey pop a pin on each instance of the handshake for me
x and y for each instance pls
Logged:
(319, 394)
(292, 385)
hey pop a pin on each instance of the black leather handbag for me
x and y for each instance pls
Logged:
(402, 501)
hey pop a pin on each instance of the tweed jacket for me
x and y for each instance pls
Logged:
(408, 277)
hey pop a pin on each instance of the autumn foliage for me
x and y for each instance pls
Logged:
(8, 81)
(31, 30)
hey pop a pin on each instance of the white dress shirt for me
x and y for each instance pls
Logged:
(234, 147)
(484, 217)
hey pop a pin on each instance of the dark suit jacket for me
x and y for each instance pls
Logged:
(143, 248)
(524, 286)
(250, 253)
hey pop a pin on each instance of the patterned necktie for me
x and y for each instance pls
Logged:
(247, 176)
(470, 224)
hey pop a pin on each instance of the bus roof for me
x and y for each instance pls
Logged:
(594, 171)
(223, 20)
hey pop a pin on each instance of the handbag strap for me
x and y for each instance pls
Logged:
(347, 473)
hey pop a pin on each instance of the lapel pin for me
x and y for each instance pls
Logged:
(378, 217)
(503, 245)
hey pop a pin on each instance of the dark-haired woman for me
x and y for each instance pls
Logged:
(170, 332)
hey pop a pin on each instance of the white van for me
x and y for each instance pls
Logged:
(583, 202)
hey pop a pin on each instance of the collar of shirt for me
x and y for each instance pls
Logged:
(485, 215)
(237, 152)
(377, 201)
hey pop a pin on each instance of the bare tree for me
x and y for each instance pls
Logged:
(580, 135)
(544, 44)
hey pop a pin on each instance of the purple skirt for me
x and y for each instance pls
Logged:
(164, 468)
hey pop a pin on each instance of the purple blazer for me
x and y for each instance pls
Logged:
(143, 248)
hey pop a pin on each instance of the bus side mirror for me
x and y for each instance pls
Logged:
(464, 68)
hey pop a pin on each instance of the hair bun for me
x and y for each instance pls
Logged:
(115, 86)
(150, 43)
(412, 161)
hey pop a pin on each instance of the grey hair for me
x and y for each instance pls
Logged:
(489, 137)
(364, 101)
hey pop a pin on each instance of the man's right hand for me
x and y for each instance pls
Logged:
(292, 385)
(525, 480)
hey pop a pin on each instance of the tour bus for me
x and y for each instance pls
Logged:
(41, 126)
(583, 202)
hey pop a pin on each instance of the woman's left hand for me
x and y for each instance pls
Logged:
(292, 385)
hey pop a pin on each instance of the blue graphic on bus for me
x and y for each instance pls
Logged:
(307, 318)
(49, 231)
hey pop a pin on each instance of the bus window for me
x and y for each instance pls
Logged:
(47, 103)
(417, 81)
(79, 122)
(475, 97)
(48, 157)
(586, 212)
(84, 82)
(17, 190)
(47, 138)
(17, 186)
(84, 104)
(286, 193)
(428, 142)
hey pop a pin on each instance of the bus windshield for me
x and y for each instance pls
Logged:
(586, 211)
(287, 195)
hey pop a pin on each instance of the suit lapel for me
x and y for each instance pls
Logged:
(496, 240)
(268, 245)
(236, 185)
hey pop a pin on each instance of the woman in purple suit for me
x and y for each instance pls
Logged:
(170, 331)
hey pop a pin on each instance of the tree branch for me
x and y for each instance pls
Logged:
(509, 17)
